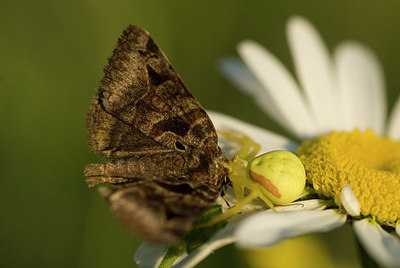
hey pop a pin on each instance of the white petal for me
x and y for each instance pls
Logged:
(220, 239)
(311, 204)
(258, 205)
(239, 74)
(280, 86)
(268, 140)
(315, 71)
(383, 247)
(394, 122)
(350, 201)
(362, 86)
(266, 229)
(398, 228)
(149, 256)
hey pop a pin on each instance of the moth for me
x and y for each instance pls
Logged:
(166, 168)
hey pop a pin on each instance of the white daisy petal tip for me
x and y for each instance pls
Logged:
(315, 72)
(350, 201)
(267, 229)
(360, 77)
(280, 88)
(247, 44)
(148, 255)
(239, 74)
(298, 21)
(382, 246)
(365, 53)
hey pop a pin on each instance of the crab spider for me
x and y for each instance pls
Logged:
(276, 177)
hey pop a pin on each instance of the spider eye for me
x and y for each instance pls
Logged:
(281, 175)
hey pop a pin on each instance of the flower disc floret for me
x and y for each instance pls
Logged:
(370, 164)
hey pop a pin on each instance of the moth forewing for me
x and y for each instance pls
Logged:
(166, 164)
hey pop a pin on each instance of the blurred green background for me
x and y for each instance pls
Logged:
(52, 54)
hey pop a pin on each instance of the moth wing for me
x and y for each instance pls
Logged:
(143, 110)
(112, 138)
(159, 212)
(143, 105)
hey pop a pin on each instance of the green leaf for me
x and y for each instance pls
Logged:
(199, 236)
(172, 254)
(195, 238)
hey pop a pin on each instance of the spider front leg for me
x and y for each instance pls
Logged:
(249, 148)
(239, 176)
(238, 164)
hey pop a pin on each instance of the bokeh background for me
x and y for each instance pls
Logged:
(51, 58)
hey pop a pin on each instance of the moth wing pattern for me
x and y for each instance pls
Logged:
(160, 213)
(141, 89)
(166, 163)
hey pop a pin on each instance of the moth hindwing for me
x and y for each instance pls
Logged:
(165, 161)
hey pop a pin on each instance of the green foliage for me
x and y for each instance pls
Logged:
(195, 238)
(199, 236)
(172, 254)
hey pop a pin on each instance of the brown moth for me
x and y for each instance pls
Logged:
(166, 166)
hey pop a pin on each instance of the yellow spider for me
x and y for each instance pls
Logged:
(276, 177)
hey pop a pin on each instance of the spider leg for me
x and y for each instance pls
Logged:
(232, 211)
(239, 182)
(249, 147)
(253, 150)
(239, 176)
(254, 187)
(267, 202)
(238, 190)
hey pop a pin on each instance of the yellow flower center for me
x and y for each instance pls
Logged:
(370, 164)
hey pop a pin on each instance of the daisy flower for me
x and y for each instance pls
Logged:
(357, 165)
(337, 109)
